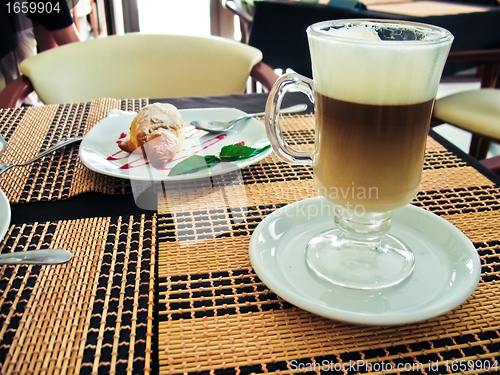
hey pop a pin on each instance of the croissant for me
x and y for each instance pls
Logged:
(159, 130)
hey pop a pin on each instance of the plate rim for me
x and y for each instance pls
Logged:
(84, 149)
(4, 224)
(3, 144)
(382, 319)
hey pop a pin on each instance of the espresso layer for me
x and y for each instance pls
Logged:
(369, 155)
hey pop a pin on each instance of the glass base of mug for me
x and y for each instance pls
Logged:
(359, 253)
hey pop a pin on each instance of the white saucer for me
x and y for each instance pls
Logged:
(99, 150)
(447, 266)
(4, 214)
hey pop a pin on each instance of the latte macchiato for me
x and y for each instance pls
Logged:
(373, 107)
(374, 86)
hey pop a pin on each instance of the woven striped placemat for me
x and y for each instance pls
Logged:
(215, 316)
(93, 315)
(31, 130)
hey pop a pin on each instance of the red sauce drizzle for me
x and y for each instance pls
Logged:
(207, 144)
(195, 149)
(142, 162)
(116, 157)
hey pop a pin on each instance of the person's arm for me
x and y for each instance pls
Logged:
(67, 35)
(53, 28)
(47, 39)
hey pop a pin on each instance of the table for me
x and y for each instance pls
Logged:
(173, 291)
(279, 27)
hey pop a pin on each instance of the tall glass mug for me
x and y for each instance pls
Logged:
(374, 85)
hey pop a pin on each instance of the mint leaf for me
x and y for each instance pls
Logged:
(239, 152)
(194, 164)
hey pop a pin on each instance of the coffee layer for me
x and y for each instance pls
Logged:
(369, 155)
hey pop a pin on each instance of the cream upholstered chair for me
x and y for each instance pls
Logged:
(139, 65)
(476, 111)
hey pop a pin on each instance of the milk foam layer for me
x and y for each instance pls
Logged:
(356, 31)
(373, 71)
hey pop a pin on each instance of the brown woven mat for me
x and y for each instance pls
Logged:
(216, 317)
(61, 175)
(93, 315)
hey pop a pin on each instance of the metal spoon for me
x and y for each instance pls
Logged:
(38, 257)
(5, 166)
(222, 126)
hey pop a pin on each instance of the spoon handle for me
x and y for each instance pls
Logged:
(52, 149)
(39, 257)
(292, 109)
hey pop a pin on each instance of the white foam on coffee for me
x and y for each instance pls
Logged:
(379, 72)
(358, 32)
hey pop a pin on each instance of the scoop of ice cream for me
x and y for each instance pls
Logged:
(154, 119)
(159, 130)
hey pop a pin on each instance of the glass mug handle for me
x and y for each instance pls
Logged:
(281, 87)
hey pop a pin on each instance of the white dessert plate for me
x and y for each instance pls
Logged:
(447, 266)
(99, 150)
(4, 214)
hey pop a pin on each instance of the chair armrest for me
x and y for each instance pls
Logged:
(477, 56)
(264, 74)
(15, 91)
(492, 163)
(488, 61)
